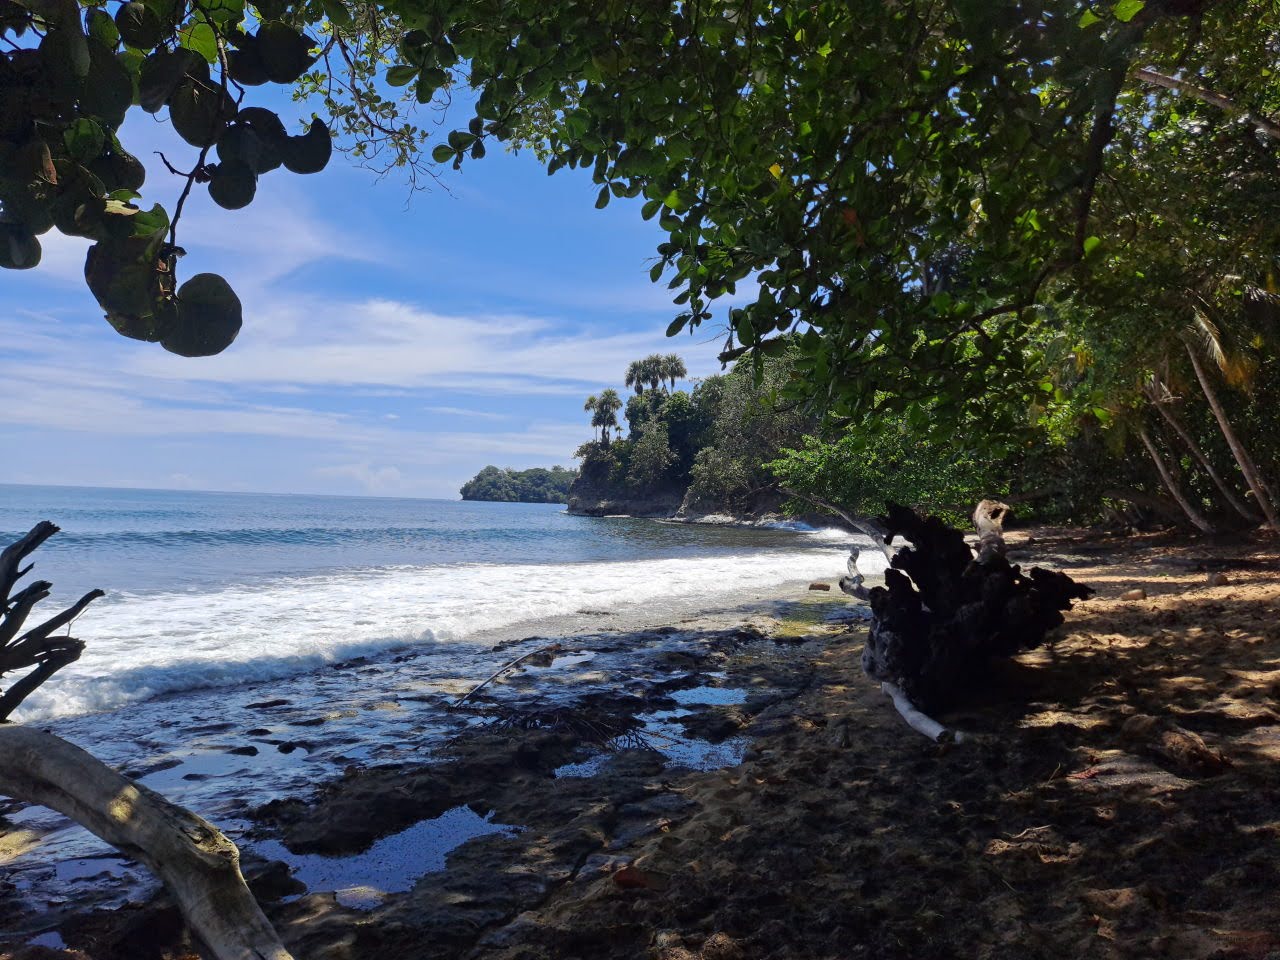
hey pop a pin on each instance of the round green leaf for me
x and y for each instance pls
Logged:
(336, 11)
(162, 72)
(102, 28)
(310, 152)
(199, 37)
(233, 185)
(19, 249)
(246, 67)
(119, 170)
(139, 26)
(271, 9)
(107, 93)
(443, 153)
(208, 317)
(285, 52)
(84, 139)
(122, 276)
(199, 113)
(401, 74)
(263, 122)
(152, 327)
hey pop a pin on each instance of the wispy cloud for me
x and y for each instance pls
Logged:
(387, 343)
(465, 412)
(379, 480)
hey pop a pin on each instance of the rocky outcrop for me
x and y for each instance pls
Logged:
(589, 501)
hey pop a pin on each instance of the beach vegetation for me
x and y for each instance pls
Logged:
(535, 485)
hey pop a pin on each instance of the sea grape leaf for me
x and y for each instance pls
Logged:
(139, 26)
(198, 113)
(233, 184)
(310, 152)
(199, 37)
(285, 52)
(19, 248)
(102, 28)
(162, 72)
(84, 139)
(208, 317)
(108, 88)
(122, 276)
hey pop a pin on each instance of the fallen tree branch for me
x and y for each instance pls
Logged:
(919, 721)
(199, 866)
(551, 648)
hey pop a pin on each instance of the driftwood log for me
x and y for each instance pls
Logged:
(197, 864)
(946, 609)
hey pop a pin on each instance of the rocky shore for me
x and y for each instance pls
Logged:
(1118, 797)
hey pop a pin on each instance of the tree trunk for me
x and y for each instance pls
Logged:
(199, 866)
(1171, 484)
(1251, 474)
(1180, 429)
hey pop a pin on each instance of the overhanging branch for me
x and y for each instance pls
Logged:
(1264, 124)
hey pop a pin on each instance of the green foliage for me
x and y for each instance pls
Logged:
(863, 472)
(535, 485)
(751, 424)
(70, 74)
(651, 458)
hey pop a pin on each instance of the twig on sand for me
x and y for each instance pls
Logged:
(919, 721)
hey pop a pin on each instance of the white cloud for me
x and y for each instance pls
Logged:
(466, 412)
(379, 480)
(390, 344)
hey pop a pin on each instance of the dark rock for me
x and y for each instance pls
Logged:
(264, 704)
(137, 773)
(247, 751)
(273, 881)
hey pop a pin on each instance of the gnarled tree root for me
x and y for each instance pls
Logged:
(199, 866)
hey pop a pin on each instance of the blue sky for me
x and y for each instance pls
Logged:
(392, 344)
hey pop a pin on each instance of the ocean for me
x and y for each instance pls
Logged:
(213, 590)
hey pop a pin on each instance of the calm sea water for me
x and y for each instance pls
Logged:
(212, 589)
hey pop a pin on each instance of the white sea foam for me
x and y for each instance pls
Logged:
(141, 646)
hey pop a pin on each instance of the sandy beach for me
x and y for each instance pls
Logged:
(1116, 796)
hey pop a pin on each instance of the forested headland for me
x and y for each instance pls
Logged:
(535, 485)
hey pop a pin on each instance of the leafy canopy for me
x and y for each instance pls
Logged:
(900, 184)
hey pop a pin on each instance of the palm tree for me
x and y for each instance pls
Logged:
(590, 406)
(652, 367)
(636, 376)
(606, 408)
(673, 368)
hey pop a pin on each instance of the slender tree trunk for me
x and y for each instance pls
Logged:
(1171, 484)
(1251, 475)
(1181, 430)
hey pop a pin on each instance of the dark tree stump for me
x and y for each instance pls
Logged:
(944, 612)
